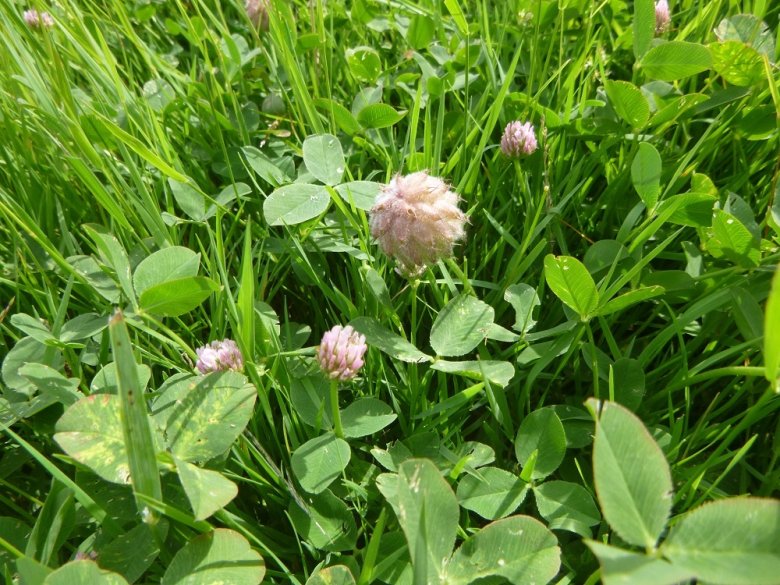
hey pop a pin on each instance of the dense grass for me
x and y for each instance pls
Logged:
(105, 115)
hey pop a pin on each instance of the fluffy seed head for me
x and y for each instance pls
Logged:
(416, 220)
(341, 353)
(219, 356)
(518, 139)
(35, 19)
(257, 11)
(662, 16)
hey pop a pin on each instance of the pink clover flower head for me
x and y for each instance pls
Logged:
(416, 221)
(340, 353)
(257, 11)
(35, 19)
(219, 356)
(662, 16)
(518, 139)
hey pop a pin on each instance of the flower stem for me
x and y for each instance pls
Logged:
(334, 406)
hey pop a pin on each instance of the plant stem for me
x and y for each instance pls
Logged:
(334, 405)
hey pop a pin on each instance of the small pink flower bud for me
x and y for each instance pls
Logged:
(219, 356)
(341, 353)
(518, 139)
(35, 19)
(416, 220)
(662, 16)
(257, 11)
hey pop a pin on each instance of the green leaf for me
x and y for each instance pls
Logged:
(630, 298)
(675, 60)
(519, 549)
(567, 506)
(221, 556)
(33, 327)
(772, 332)
(105, 381)
(619, 567)
(421, 31)
(524, 300)
(167, 264)
(176, 297)
(494, 494)
(131, 553)
(54, 524)
(14, 532)
(644, 26)
(324, 521)
(364, 64)
(52, 384)
(90, 431)
(201, 416)
(114, 255)
(366, 416)
(495, 372)
(26, 350)
(730, 238)
(207, 490)
(572, 283)
(324, 158)
(388, 342)
(84, 326)
(629, 380)
(189, 199)
(737, 63)
(264, 168)
(83, 573)
(691, 209)
(632, 478)
(296, 203)
(379, 116)
(361, 194)
(729, 542)
(335, 575)
(341, 115)
(629, 102)
(646, 174)
(320, 461)
(453, 7)
(748, 29)
(461, 326)
(428, 514)
(541, 431)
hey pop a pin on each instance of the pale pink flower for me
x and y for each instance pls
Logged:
(341, 353)
(219, 356)
(35, 19)
(416, 220)
(662, 16)
(518, 139)
(257, 11)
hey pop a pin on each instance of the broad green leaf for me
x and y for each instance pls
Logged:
(100, 282)
(461, 325)
(366, 416)
(572, 283)
(33, 327)
(603, 254)
(421, 31)
(632, 477)
(264, 168)
(324, 158)
(52, 384)
(83, 573)
(220, 556)
(519, 549)
(428, 514)
(772, 332)
(630, 298)
(629, 102)
(176, 297)
(114, 255)
(105, 381)
(677, 108)
(567, 506)
(189, 199)
(167, 264)
(494, 493)
(131, 553)
(341, 115)
(335, 575)
(541, 431)
(691, 209)
(207, 490)
(675, 60)
(622, 567)
(388, 342)
(379, 116)
(27, 350)
(326, 522)
(729, 542)
(364, 63)
(524, 300)
(14, 532)
(737, 63)
(644, 26)
(310, 397)
(55, 522)
(646, 174)
(84, 326)
(319, 462)
(748, 29)
(90, 431)
(296, 203)
(31, 571)
(201, 416)
(361, 194)
(730, 238)
(494, 371)
(629, 380)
